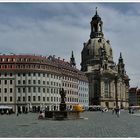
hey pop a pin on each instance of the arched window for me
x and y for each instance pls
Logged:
(99, 27)
(106, 88)
(88, 51)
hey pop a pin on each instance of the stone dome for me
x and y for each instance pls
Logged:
(97, 50)
(93, 46)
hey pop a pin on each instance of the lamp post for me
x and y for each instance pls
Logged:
(116, 90)
(17, 107)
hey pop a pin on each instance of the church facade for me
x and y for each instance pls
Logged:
(108, 81)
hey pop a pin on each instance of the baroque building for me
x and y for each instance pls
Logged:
(108, 82)
(31, 82)
(134, 96)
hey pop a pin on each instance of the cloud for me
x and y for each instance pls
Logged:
(59, 28)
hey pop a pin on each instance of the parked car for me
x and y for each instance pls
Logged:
(95, 108)
(104, 109)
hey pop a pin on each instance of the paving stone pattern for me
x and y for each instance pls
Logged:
(95, 125)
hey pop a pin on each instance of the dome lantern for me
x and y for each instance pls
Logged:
(96, 26)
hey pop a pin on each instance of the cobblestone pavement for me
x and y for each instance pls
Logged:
(95, 125)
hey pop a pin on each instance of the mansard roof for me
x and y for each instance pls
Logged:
(23, 59)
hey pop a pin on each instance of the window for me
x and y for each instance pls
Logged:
(5, 99)
(23, 82)
(110, 51)
(11, 90)
(23, 90)
(38, 81)
(5, 90)
(106, 84)
(11, 99)
(18, 90)
(47, 98)
(29, 98)
(51, 90)
(47, 82)
(0, 90)
(43, 82)
(0, 99)
(5, 82)
(18, 98)
(11, 82)
(51, 99)
(34, 98)
(29, 74)
(43, 98)
(23, 98)
(38, 74)
(24, 74)
(18, 74)
(0, 81)
(34, 74)
(43, 74)
(11, 74)
(51, 83)
(19, 82)
(43, 90)
(47, 90)
(38, 98)
(5, 74)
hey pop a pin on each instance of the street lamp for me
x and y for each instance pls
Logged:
(17, 107)
(116, 90)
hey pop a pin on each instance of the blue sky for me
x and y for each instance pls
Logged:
(58, 28)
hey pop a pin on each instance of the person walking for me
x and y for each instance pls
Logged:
(113, 110)
(118, 112)
(7, 112)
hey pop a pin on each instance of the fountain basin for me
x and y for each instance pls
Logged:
(61, 115)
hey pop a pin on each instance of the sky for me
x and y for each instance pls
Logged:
(58, 28)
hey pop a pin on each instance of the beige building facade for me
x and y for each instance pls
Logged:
(32, 83)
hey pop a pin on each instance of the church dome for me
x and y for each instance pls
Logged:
(97, 49)
(93, 47)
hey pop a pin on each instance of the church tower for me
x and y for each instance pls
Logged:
(72, 60)
(105, 77)
(121, 69)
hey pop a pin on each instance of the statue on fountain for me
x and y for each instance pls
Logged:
(63, 96)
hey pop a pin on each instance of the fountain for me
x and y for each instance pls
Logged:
(63, 113)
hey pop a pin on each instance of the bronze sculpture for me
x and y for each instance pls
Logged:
(63, 96)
